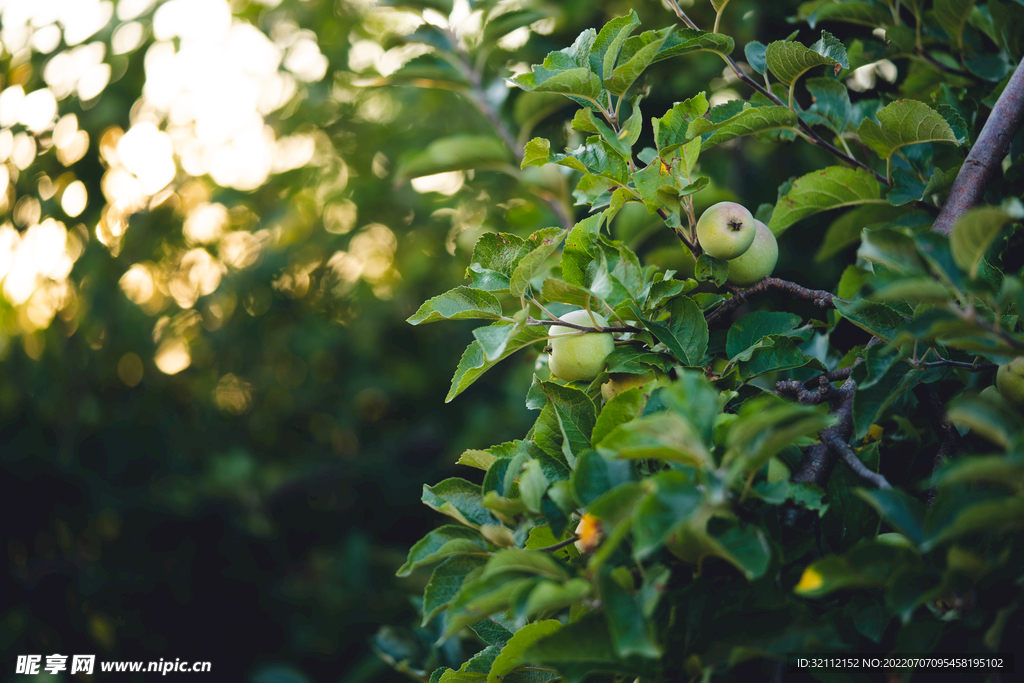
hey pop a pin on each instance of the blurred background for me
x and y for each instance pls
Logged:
(215, 218)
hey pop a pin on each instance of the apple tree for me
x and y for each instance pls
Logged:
(741, 467)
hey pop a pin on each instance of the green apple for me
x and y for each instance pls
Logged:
(726, 230)
(620, 381)
(757, 262)
(778, 471)
(576, 356)
(1010, 382)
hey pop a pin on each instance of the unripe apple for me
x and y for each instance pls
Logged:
(620, 381)
(576, 356)
(777, 471)
(757, 262)
(1010, 382)
(725, 230)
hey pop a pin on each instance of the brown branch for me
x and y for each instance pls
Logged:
(533, 322)
(819, 459)
(813, 137)
(558, 546)
(839, 446)
(841, 374)
(797, 391)
(987, 154)
(818, 297)
(950, 442)
(478, 98)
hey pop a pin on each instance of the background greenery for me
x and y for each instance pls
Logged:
(219, 455)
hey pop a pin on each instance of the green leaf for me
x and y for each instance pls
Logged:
(549, 595)
(893, 249)
(506, 22)
(455, 153)
(514, 561)
(830, 188)
(664, 436)
(904, 122)
(562, 292)
(846, 229)
(595, 475)
(529, 265)
(482, 597)
(952, 16)
(973, 234)
(495, 258)
(774, 354)
(673, 502)
(748, 122)
(671, 128)
(583, 647)
(446, 581)
(632, 633)
(905, 188)
(576, 414)
(992, 514)
(991, 418)
(494, 339)
(630, 360)
(621, 409)
(513, 654)
(831, 101)
(788, 60)
(754, 51)
(609, 42)
(474, 364)
(460, 499)
(637, 54)
(877, 318)
(578, 252)
(863, 13)
(596, 157)
(476, 458)
(687, 40)
(461, 303)
(685, 334)
(441, 543)
(904, 513)
(752, 327)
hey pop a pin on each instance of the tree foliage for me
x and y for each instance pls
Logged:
(648, 535)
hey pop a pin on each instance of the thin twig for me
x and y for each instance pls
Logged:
(986, 155)
(533, 322)
(478, 98)
(839, 446)
(814, 137)
(558, 546)
(973, 367)
(950, 442)
(942, 67)
(818, 297)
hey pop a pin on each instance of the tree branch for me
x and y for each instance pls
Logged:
(818, 297)
(839, 446)
(558, 546)
(986, 155)
(819, 459)
(949, 438)
(533, 322)
(814, 138)
(797, 391)
(478, 97)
